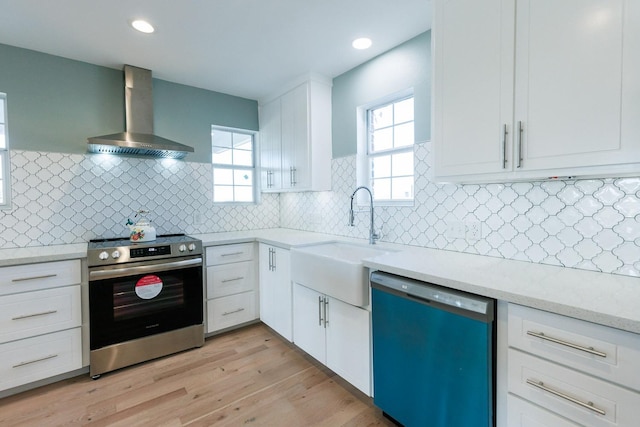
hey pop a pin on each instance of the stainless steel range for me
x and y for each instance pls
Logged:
(145, 300)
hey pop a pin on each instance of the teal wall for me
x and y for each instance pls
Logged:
(54, 104)
(405, 66)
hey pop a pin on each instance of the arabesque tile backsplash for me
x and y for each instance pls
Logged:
(591, 224)
(71, 198)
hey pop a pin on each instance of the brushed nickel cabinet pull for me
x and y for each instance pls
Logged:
(589, 350)
(520, 131)
(226, 313)
(24, 279)
(505, 133)
(26, 316)
(232, 253)
(232, 280)
(51, 356)
(319, 311)
(326, 318)
(587, 405)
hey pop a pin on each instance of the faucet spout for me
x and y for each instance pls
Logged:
(373, 236)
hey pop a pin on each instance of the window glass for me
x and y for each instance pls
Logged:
(390, 139)
(233, 159)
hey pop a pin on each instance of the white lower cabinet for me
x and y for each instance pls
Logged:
(335, 333)
(40, 321)
(524, 414)
(275, 289)
(40, 357)
(231, 286)
(576, 370)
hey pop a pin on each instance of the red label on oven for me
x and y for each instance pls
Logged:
(149, 286)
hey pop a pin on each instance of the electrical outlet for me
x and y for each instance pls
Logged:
(474, 230)
(197, 218)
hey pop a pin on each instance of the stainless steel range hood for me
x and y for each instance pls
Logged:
(139, 138)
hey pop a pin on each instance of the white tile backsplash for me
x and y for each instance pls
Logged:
(71, 198)
(591, 224)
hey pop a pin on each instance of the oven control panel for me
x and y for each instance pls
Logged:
(150, 251)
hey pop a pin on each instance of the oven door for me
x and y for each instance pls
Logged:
(140, 299)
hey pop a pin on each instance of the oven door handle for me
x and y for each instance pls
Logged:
(142, 269)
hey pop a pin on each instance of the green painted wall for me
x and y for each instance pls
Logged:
(54, 104)
(405, 66)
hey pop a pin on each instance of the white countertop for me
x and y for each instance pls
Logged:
(31, 254)
(603, 298)
(607, 299)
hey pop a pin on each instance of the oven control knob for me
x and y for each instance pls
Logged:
(192, 246)
(115, 254)
(182, 248)
(103, 255)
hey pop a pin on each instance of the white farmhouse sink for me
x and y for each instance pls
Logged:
(335, 269)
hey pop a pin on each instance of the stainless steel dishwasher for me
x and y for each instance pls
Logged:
(433, 353)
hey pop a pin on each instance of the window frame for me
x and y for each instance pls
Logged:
(364, 157)
(5, 160)
(254, 168)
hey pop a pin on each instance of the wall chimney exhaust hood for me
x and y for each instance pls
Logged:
(138, 139)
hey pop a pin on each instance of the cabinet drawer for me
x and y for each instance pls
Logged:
(582, 398)
(35, 313)
(33, 359)
(230, 311)
(225, 254)
(229, 279)
(608, 353)
(31, 277)
(521, 413)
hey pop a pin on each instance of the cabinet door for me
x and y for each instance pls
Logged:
(569, 70)
(349, 343)
(308, 322)
(270, 131)
(275, 289)
(473, 86)
(295, 138)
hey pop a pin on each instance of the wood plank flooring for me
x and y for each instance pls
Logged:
(248, 377)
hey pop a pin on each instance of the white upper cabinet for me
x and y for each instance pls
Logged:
(533, 89)
(295, 139)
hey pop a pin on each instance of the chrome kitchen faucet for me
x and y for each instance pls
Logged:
(373, 235)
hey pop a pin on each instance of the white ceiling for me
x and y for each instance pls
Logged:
(247, 48)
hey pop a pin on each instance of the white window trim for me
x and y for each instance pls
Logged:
(255, 168)
(362, 156)
(5, 159)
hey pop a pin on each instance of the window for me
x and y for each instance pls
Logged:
(4, 154)
(389, 148)
(233, 159)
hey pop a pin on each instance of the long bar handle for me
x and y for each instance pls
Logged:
(505, 134)
(26, 316)
(587, 405)
(520, 131)
(24, 279)
(320, 311)
(232, 253)
(130, 271)
(51, 356)
(226, 313)
(326, 318)
(232, 280)
(589, 350)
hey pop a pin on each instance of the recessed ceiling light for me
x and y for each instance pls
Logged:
(362, 43)
(142, 26)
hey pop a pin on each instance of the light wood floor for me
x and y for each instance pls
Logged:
(249, 377)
